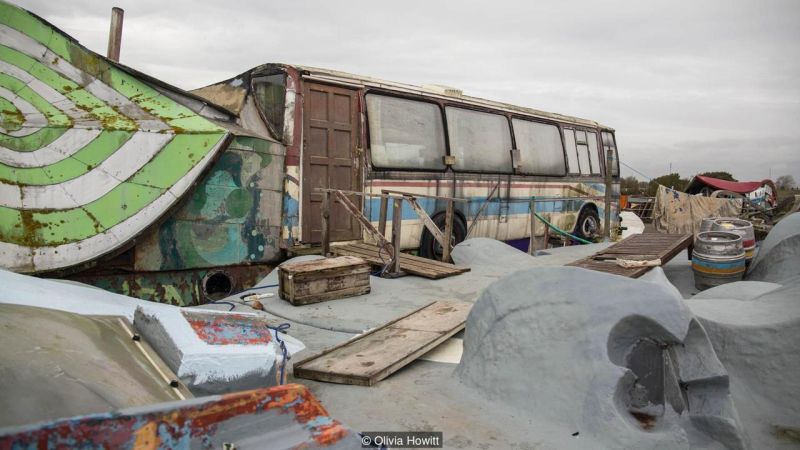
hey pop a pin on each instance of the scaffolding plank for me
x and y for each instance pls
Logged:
(376, 354)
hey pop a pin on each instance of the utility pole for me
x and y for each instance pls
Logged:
(115, 33)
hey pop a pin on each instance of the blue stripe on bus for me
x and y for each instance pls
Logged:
(516, 206)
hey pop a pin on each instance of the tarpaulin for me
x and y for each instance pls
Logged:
(678, 212)
(740, 187)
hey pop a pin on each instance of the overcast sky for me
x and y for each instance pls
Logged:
(700, 85)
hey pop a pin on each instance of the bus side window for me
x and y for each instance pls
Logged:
(572, 153)
(480, 141)
(405, 134)
(594, 154)
(541, 151)
(610, 144)
(583, 152)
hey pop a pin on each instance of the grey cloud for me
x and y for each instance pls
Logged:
(682, 81)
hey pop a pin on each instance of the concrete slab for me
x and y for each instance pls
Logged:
(489, 260)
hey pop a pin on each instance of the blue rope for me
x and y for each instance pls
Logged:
(278, 330)
(220, 302)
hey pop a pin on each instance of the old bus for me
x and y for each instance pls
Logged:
(356, 133)
(114, 178)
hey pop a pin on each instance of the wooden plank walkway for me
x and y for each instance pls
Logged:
(411, 264)
(640, 247)
(376, 354)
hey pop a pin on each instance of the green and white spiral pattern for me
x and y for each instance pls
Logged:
(90, 155)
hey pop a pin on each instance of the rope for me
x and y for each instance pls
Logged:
(386, 264)
(640, 173)
(278, 330)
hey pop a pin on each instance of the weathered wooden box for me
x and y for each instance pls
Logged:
(323, 279)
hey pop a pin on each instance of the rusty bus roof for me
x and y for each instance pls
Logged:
(336, 76)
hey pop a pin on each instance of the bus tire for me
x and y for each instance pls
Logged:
(430, 248)
(588, 225)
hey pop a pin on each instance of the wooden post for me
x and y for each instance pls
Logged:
(532, 241)
(607, 212)
(115, 33)
(546, 238)
(326, 213)
(397, 220)
(448, 232)
(382, 216)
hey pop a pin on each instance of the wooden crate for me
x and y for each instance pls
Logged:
(323, 279)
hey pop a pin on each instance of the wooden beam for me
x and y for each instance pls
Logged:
(366, 225)
(382, 216)
(397, 220)
(448, 232)
(426, 219)
(374, 355)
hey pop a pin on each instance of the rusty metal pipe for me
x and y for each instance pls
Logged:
(115, 33)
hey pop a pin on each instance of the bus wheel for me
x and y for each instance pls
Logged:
(430, 248)
(588, 226)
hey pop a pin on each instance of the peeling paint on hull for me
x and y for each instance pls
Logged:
(286, 416)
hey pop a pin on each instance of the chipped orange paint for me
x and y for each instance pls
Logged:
(183, 426)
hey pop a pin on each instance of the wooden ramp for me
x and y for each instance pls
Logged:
(376, 354)
(639, 247)
(411, 264)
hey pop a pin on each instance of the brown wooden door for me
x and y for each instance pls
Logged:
(330, 160)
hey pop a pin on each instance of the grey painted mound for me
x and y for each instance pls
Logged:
(739, 290)
(778, 258)
(488, 252)
(756, 339)
(622, 362)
